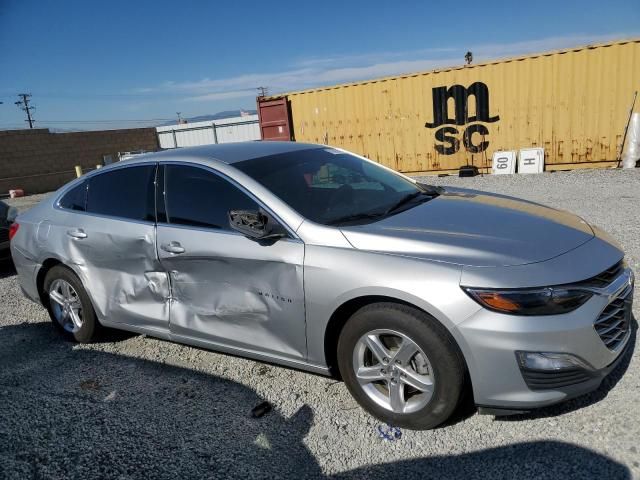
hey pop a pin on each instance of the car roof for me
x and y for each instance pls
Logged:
(229, 153)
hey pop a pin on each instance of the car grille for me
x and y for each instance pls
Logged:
(605, 278)
(4, 234)
(613, 323)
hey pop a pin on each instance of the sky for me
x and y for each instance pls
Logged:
(116, 64)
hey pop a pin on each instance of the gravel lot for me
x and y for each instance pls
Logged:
(136, 407)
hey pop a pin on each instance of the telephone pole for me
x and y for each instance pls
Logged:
(25, 107)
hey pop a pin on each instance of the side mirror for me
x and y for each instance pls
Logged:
(255, 224)
(12, 214)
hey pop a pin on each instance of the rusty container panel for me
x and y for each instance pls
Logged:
(574, 103)
(273, 114)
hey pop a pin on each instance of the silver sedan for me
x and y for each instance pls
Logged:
(315, 258)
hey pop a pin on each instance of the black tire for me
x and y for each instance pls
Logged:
(447, 366)
(90, 328)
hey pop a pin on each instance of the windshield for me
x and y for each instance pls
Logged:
(332, 187)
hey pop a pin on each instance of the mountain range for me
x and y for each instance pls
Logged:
(215, 116)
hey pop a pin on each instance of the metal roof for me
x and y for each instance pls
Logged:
(229, 153)
(207, 123)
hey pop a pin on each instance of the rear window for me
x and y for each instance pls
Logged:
(76, 198)
(124, 193)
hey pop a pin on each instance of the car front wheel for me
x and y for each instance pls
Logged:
(401, 365)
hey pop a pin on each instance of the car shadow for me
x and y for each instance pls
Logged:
(583, 401)
(6, 268)
(72, 411)
(522, 461)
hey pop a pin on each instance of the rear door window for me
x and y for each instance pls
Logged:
(76, 198)
(124, 193)
(200, 198)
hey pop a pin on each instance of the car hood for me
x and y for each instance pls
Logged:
(474, 228)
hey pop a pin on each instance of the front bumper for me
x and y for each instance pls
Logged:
(491, 340)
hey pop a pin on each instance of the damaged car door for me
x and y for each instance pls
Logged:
(227, 289)
(108, 230)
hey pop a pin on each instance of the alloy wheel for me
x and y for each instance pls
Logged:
(66, 305)
(393, 371)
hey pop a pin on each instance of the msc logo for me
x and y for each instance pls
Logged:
(446, 135)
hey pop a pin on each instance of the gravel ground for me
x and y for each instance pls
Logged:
(136, 407)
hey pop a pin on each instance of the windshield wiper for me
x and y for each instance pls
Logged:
(400, 203)
(430, 189)
(408, 198)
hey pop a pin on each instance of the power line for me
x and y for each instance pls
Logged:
(111, 96)
(110, 120)
(25, 107)
(103, 96)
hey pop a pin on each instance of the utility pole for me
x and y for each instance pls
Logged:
(25, 107)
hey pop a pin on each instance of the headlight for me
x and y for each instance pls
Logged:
(539, 301)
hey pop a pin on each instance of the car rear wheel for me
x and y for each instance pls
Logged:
(69, 305)
(401, 365)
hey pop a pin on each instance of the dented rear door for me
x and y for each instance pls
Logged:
(110, 241)
(227, 289)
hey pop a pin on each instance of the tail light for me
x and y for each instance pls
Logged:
(13, 229)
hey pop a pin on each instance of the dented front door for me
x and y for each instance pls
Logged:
(230, 290)
(225, 288)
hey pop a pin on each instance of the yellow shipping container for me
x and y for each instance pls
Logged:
(574, 103)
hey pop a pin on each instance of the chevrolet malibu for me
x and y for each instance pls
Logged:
(315, 258)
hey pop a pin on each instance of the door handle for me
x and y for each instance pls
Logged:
(77, 233)
(172, 247)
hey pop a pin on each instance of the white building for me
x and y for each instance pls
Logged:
(225, 130)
